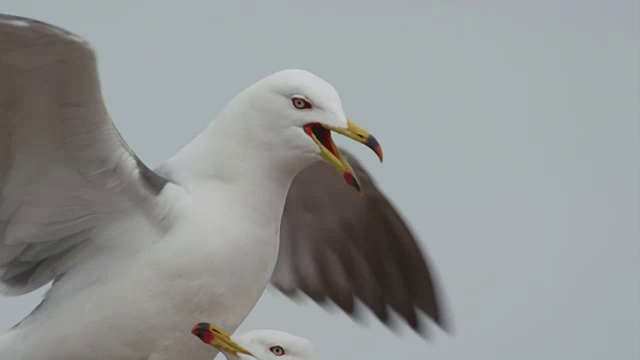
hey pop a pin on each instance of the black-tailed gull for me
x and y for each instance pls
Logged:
(129, 248)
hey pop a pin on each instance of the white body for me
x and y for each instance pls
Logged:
(187, 276)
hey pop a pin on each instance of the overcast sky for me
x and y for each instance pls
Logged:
(511, 138)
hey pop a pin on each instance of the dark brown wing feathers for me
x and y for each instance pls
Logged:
(338, 245)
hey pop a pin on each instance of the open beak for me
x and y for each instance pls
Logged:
(321, 135)
(218, 338)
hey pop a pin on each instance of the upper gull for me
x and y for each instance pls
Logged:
(248, 202)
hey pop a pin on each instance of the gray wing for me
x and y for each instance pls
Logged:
(338, 245)
(64, 169)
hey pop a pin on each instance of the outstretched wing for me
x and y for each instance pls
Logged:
(64, 168)
(338, 245)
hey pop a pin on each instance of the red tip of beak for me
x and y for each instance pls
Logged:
(203, 332)
(348, 177)
(374, 145)
(378, 150)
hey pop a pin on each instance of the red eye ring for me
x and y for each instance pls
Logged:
(300, 103)
(277, 350)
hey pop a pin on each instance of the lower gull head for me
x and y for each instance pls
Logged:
(256, 344)
(299, 109)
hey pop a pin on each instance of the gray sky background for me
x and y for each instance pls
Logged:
(511, 137)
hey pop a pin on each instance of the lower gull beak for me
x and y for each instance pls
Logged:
(321, 135)
(218, 338)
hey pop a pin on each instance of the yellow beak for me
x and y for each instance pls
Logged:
(218, 338)
(322, 137)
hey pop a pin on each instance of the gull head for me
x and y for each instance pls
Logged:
(256, 344)
(300, 110)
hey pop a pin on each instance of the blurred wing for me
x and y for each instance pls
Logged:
(64, 169)
(337, 244)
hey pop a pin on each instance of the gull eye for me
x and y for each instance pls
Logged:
(300, 103)
(277, 350)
